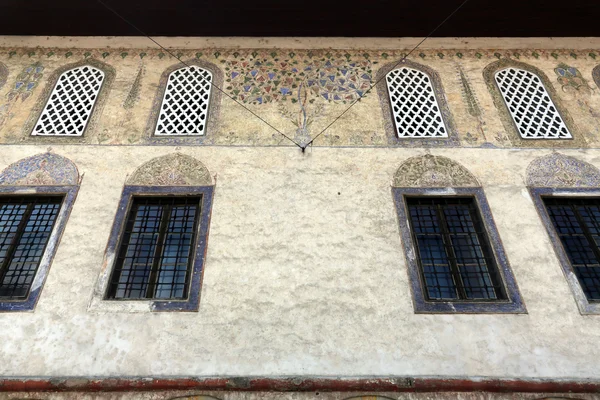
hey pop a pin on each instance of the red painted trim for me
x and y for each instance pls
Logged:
(505, 385)
(299, 384)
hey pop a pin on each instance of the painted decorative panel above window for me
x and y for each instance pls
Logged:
(530, 105)
(71, 103)
(415, 109)
(184, 108)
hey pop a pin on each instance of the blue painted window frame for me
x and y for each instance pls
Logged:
(69, 194)
(585, 307)
(512, 304)
(192, 303)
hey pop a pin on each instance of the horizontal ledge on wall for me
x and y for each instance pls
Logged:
(291, 42)
(300, 384)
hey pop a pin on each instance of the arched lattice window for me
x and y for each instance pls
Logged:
(530, 105)
(184, 109)
(71, 102)
(415, 109)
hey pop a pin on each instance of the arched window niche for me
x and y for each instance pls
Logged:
(529, 106)
(186, 105)
(414, 106)
(72, 101)
(438, 200)
(171, 197)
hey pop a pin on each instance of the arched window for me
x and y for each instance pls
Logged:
(71, 103)
(415, 109)
(184, 108)
(530, 105)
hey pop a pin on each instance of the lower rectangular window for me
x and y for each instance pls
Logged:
(157, 248)
(455, 259)
(26, 224)
(577, 224)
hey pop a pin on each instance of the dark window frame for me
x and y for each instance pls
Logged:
(440, 204)
(192, 302)
(68, 194)
(538, 194)
(570, 203)
(164, 220)
(19, 214)
(512, 303)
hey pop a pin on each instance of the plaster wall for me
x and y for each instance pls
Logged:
(305, 275)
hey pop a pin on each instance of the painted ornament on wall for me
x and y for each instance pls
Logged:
(299, 85)
(25, 83)
(576, 87)
(572, 81)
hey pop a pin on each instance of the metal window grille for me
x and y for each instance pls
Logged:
(71, 102)
(455, 258)
(530, 105)
(26, 224)
(415, 109)
(156, 250)
(184, 109)
(577, 223)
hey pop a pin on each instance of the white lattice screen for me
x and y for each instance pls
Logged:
(415, 109)
(530, 105)
(71, 102)
(184, 108)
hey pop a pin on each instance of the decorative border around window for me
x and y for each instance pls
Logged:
(388, 118)
(563, 176)
(489, 73)
(90, 132)
(214, 106)
(513, 304)
(192, 302)
(42, 174)
(431, 175)
(172, 174)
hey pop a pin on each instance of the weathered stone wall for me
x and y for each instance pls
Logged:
(305, 272)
